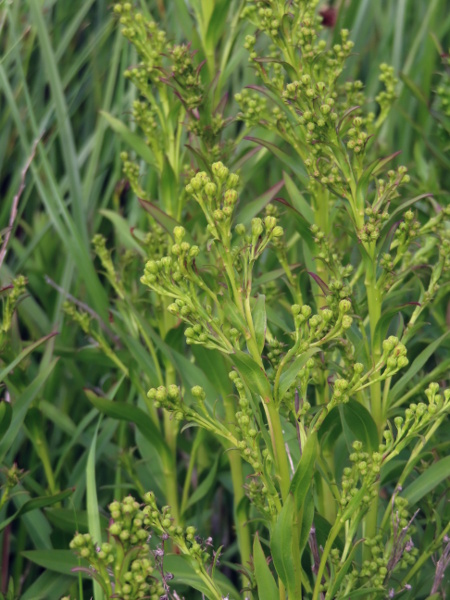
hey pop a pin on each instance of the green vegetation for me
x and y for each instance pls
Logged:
(225, 258)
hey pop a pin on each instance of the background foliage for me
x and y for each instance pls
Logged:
(60, 71)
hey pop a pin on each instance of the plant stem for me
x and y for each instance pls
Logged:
(323, 561)
(280, 456)
(374, 300)
(237, 478)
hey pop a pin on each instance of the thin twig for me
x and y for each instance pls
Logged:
(15, 203)
(83, 306)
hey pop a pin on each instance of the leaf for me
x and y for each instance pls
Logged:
(267, 588)
(260, 321)
(280, 154)
(132, 414)
(47, 586)
(304, 473)
(36, 503)
(19, 358)
(93, 511)
(285, 547)
(217, 23)
(205, 485)
(184, 573)
(252, 374)
(123, 229)
(168, 187)
(297, 199)
(302, 224)
(357, 419)
(290, 374)
(428, 480)
(70, 520)
(168, 223)
(135, 141)
(307, 518)
(337, 580)
(5, 417)
(251, 209)
(415, 367)
(60, 561)
(384, 321)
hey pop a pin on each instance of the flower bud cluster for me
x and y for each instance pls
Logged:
(104, 255)
(253, 107)
(82, 318)
(124, 563)
(162, 521)
(144, 116)
(374, 222)
(248, 443)
(394, 355)
(356, 136)
(171, 400)
(144, 34)
(131, 172)
(217, 197)
(388, 95)
(357, 481)
(16, 290)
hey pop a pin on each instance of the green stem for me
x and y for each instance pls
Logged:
(279, 451)
(240, 508)
(374, 300)
(169, 466)
(323, 561)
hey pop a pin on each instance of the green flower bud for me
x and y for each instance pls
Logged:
(173, 391)
(179, 233)
(269, 223)
(198, 392)
(346, 322)
(257, 227)
(220, 171)
(230, 197)
(211, 189)
(345, 306)
(278, 231)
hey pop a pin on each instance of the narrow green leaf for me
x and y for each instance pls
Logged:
(36, 503)
(71, 520)
(298, 200)
(339, 577)
(290, 374)
(60, 561)
(253, 375)
(251, 209)
(47, 587)
(415, 367)
(123, 230)
(357, 419)
(92, 503)
(19, 358)
(260, 321)
(166, 221)
(428, 480)
(133, 140)
(303, 475)
(5, 417)
(132, 414)
(267, 588)
(284, 547)
(184, 573)
(205, 485)
(21, 406)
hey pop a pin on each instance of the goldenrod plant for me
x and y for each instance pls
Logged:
(225, 259)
